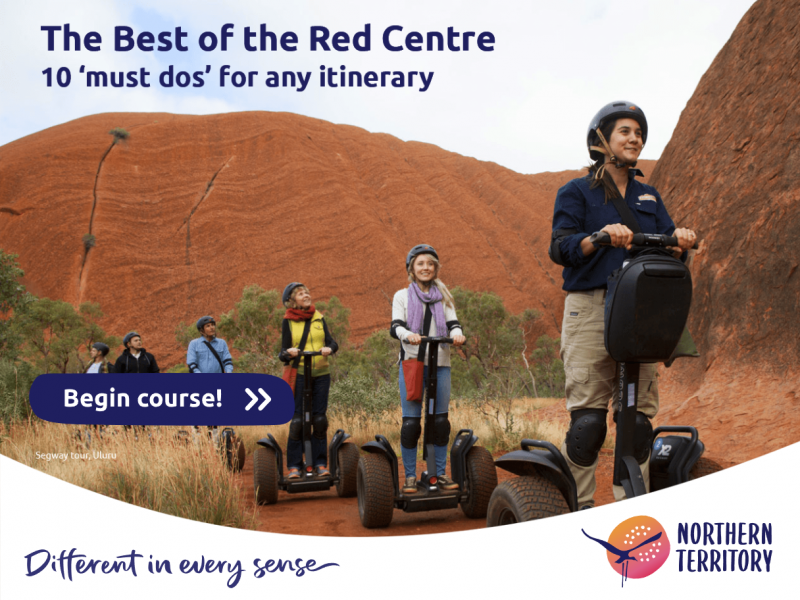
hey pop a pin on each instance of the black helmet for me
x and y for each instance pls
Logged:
(203, 321)
(129, 337)
(287, 291)
(622, 109)
(101, 348)
(417, 250)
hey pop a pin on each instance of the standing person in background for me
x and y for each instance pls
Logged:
(301, 315)
(615, 139)
(98, 352)
(426, 294)
(208, 353)
(135, 359)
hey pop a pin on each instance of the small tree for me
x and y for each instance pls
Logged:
(13, 300)
(53, 334)
(548, 367)
(120, 135)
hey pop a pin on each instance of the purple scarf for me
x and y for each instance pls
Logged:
(416, 310)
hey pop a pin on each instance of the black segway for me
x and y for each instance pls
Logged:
(268, 475)
(646, 310)
(471, 466)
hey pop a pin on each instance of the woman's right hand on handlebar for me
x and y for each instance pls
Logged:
(621, 236)
(293, 352)
(414, 339)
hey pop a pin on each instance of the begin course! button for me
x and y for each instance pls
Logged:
(163, 399)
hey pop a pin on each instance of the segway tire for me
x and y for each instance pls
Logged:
(347, 480)
(524, 499)
(375, 491)
(481, 482)
(265, 475)
(703, 467)
(241, 455)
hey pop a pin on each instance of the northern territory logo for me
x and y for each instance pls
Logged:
(636, 548)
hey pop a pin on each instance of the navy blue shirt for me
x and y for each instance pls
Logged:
(578, 207)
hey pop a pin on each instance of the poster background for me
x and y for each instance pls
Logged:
(525, 106)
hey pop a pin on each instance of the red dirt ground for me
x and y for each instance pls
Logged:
(324, 513)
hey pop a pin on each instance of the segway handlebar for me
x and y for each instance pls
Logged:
(440, 340)
(656, 240)
(317, 353)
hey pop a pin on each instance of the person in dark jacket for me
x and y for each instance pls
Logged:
(135, 359)
(300, 311)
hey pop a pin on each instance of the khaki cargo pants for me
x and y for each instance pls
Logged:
(591, 377)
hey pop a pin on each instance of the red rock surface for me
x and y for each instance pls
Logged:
(191, 209)
(732, 170)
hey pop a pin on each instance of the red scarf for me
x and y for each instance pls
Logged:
(296, 314)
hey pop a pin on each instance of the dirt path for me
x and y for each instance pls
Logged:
(324, 513)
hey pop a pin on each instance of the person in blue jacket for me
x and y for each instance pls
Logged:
(208, 353)
(615, 139)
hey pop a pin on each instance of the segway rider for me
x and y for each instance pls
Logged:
(408, 310)
(208, 353)
(608, 199)
(303, 321)
(135, 359)
(98, 352)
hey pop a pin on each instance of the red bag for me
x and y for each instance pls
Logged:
(290, 375)
(412, 374)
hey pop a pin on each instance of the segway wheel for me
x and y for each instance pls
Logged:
(241, 455)
(703, 467)
(482, 480)
(347, 481)
(265, 475)
(375, 491)
(524, 499)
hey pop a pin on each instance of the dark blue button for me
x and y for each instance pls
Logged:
(163, 399)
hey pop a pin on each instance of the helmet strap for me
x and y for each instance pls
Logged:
(606, 149)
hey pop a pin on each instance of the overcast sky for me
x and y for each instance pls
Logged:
(525, 105)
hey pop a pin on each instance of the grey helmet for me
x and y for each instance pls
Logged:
(203, 321)
(621, 109)
(417, 250)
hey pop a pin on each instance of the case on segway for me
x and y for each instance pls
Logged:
(646, 309)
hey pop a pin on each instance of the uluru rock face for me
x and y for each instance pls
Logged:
(732, 171)
(191, 209)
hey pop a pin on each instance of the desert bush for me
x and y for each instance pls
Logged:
(120, 135)
(183, 478)
(16, 379)
(89, 241)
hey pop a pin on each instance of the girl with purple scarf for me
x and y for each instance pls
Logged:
(408, 311)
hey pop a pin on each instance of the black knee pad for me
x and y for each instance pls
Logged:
(410, 432)
(320, 426)
(642, 437)
(441, 430)
(587, 432)
(296, 429)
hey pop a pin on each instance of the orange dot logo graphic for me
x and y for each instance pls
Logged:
(637, 547)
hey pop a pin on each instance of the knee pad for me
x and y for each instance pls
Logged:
(320, 426)
(410, 432)
(587, 431)
(642, 437)
(296, 429)
(441, 430)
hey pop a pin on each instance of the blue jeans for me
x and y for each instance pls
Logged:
(319, 406)
(414, 409)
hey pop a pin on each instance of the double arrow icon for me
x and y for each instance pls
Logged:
(256, 399)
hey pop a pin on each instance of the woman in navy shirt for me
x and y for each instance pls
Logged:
(615, 139)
